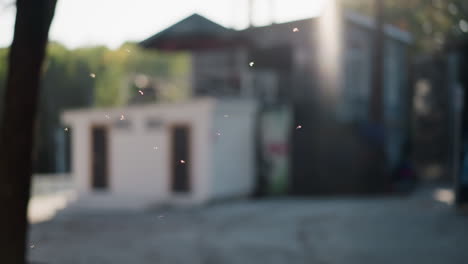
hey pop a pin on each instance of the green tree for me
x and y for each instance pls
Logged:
(433, 23)
(65, 84)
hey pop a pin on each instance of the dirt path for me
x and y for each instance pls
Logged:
(384, 230)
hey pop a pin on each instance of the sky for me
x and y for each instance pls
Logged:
(112, 22)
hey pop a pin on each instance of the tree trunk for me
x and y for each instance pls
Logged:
(27, 52)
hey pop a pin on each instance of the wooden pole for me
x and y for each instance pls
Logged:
(272, 11)
(251, 12)
(377, 92)
(379, 176)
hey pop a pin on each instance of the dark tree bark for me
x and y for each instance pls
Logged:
(27, 52)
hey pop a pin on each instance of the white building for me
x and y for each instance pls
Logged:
(183, 153)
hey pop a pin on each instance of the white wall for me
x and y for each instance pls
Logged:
(136, 168)
(139, 174)
(234, 149)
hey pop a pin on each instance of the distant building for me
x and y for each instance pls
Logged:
(453, 87)
(180, 153)
(285, 64)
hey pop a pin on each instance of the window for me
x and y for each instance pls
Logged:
(355, 93)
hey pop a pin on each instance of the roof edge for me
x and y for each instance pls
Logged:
(368, 22)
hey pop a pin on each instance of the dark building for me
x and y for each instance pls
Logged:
(440, 118)
(322, 69)
(454, 64)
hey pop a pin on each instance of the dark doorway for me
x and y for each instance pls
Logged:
(180, 160)
(99, 158)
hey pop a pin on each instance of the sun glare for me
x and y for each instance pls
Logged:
(330, 31)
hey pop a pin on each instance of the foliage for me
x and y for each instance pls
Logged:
(67, 84)
(433, 23)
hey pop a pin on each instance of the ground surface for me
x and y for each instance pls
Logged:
(410, 230)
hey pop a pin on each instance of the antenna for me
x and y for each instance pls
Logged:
(251, 12)
(272, 6)
(232, 11)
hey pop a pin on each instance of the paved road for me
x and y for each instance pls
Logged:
(320, 231)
